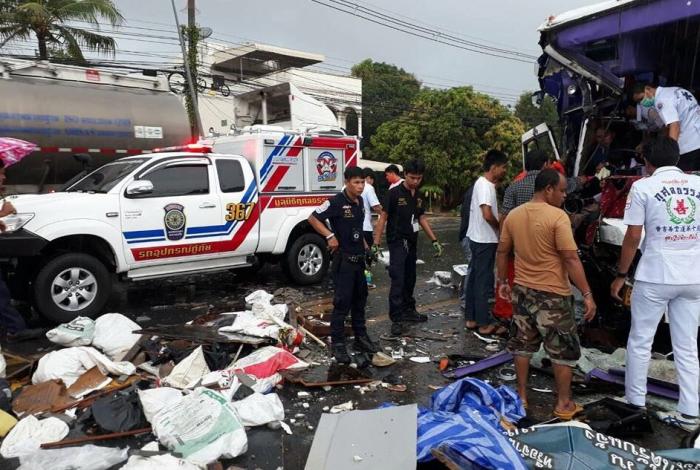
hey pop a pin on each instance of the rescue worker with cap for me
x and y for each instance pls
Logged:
(667, 280)
(680, 113)
(403, 215)
(345, 213)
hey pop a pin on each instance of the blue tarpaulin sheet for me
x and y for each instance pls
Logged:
(464, 421)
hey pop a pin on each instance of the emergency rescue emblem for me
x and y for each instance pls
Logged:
(175, 221)
(681, 210)
(327, 166)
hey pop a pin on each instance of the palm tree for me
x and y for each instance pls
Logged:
(49, 21)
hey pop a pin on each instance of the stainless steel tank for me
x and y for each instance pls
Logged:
(65, 117)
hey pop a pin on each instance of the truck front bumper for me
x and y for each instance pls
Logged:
(21, 244)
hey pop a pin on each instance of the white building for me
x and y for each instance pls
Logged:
(261, 84)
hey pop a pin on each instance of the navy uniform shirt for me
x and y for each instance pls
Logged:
(403, 210)
(346, 219)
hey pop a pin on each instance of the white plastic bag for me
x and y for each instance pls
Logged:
(155, 399)
(164, 462)
(202, 427)
(248, 323)
(113, 335)
(79, 332)
(259, 296)
(85, 457)
(70, 363)
(28, 435)
(189, 370)
(258, 409)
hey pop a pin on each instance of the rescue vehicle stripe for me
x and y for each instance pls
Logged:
(268, 162)
(147, 240)
(144, 234)
(281, 170)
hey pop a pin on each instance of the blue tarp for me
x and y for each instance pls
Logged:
(464, 422)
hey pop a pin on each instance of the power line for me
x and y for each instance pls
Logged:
(434, 36)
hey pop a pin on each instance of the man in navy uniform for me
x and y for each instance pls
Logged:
(345, 214)
(403, 214)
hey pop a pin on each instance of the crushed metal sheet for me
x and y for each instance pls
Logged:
(387, 440)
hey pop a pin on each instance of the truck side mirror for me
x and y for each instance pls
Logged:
(139, 187)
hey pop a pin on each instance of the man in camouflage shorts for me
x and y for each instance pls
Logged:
(539, 233)
(543, 317)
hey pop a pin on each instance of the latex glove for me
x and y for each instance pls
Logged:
(438, 249)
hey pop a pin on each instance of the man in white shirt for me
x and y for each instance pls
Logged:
(665, 205)
(393, 176)
(371, 202)
(680, 113)
(483, 241)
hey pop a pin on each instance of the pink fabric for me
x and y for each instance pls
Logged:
(14, 150)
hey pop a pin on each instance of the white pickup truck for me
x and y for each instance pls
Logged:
(239, 202)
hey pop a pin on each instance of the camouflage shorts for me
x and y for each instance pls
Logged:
(544, 317)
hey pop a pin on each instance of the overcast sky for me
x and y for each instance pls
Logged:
(345, 39)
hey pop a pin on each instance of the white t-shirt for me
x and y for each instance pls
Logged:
(678, 105)
(479, 230)
(667, 204)
(393, 185)
(369, 198)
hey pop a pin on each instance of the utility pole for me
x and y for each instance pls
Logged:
(190, 61)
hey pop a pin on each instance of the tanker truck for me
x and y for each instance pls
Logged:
(82, 118)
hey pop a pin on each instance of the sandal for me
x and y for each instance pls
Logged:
(568, 415)
(487, 330)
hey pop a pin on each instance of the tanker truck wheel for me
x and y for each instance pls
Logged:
(307, 259)
(71, 285)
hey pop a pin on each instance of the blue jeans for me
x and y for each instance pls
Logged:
(480, 282)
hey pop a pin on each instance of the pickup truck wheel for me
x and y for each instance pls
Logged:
(71, 285)
(307, 260)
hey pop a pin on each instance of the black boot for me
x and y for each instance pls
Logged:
(412, 316)
(365, 344)
(398, 328)
(340, 353)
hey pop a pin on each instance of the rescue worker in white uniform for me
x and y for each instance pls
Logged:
(680, 113)
(666, 205)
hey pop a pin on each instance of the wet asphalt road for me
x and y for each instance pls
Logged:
(176, 301)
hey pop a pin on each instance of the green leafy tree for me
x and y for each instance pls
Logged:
(49, 22)
(387, 92)
(451, 131)
(532, 115)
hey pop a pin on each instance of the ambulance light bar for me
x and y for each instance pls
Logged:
(192, 148)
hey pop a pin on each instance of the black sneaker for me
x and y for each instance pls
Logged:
(398, 328)
(365, 344)
(26, 334)
(412, 316)
(340, 353)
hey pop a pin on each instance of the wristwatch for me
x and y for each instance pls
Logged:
(328, 237)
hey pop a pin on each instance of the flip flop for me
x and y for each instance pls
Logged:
(487, 330)
(568, 415)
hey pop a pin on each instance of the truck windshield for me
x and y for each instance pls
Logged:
(106, 177)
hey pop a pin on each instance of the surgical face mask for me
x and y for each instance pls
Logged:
(647, 102)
